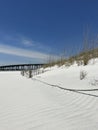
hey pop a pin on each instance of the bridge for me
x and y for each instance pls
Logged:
(20, 67)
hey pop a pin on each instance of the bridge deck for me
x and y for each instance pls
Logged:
(20, 67)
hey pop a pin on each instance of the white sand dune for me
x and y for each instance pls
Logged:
(28, 104)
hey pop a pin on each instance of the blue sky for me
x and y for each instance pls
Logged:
(31, 30)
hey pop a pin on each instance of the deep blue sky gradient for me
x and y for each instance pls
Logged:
(54, 24)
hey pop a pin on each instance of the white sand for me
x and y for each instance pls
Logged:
(28, 104)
